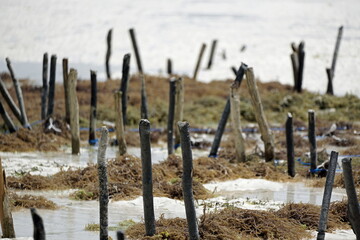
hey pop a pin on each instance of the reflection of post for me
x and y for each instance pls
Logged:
(74, 113)
(354, 208)
(327, 196)
(265, 131)
(7, 224)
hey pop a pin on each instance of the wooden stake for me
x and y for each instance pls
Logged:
(144, 108)
(136, 50)
(19, 95)
(44, 91)
(6, 219)
(327, 196)
(148, 200)
(7, 119)
(290, 145)
(170, 123)
(169, 67)
(108, 54)
(120, 132)
(265, 131)
(39, 230)
(353, 203)
(197, 67)
(124, 85)
(187, 181)
(65, 65)
(212, 53)
(74, 112)
(312, 140)
(295, 67)
(103, 183)
(92, 138)
(235, 123)
(179, 107)
(10, 101)
(51, 97)
(331, 72)
(301, 57)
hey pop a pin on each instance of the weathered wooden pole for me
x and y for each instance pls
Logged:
(92, 128)
(103, 184)
(327, 196)
(235, 122)
(312, 140)
(108, 54)
(233, 69)
(212, 53)
(301, 60)
(119, 124)
(295, 65)
(170, 122)
(7, 119)
(65, 67)
(148, 200)
(225, 115)
(136, 50)
(39, 230)
(10, 101)
(179, 107)
(19, 95)
(51, 97)
(124, 85)
(144, 108)
(290, 145)
(198, 63)
(169, 67)
(7, 225)
(266, 134)
(187, 187)
(331, 72)
(74, 112)
(353, 203)
(44, 90)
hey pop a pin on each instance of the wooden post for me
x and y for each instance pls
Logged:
(39, 230)
(124, 85)
(108, 54)
(92, 137)
(103, 184)
(353, 203)
(10, 101)
(225, 115)
(19, 95)
(136, 50)
(120, 235)
(235, 122)
(170, 123)
(295, 67)
(290, 145)
(7, 225)
(187, 187)
(327, 196)
(120, 132)
(212, 53)
(197, 67)
(331, 72)
(312, 140)
(148, 201)
(7, 119)
(301, 56)
(233, 69)
(169, 67)
(179, 107)
(265, 131)
(74, 112)
(65, 66)
(51, 97)
(144, 108)
(44, 91)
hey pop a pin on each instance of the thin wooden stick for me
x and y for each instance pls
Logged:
(312, 140)
(179, 107)
(266, 134)
(10, 101)
(103, 184)
(74, 113)
(197, 67)
(144, 108)
(51, 97)
(119, 124)
(212, 53)
(136, 50)
(92, 138)
(65, 66)
(44, 91)
(7, 119)
(108, 54)
(124, 85)
(169, 67)
(290, 145)
(170, 123)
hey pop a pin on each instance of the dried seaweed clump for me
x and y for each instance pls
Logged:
(309, 215)
(30, 201)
